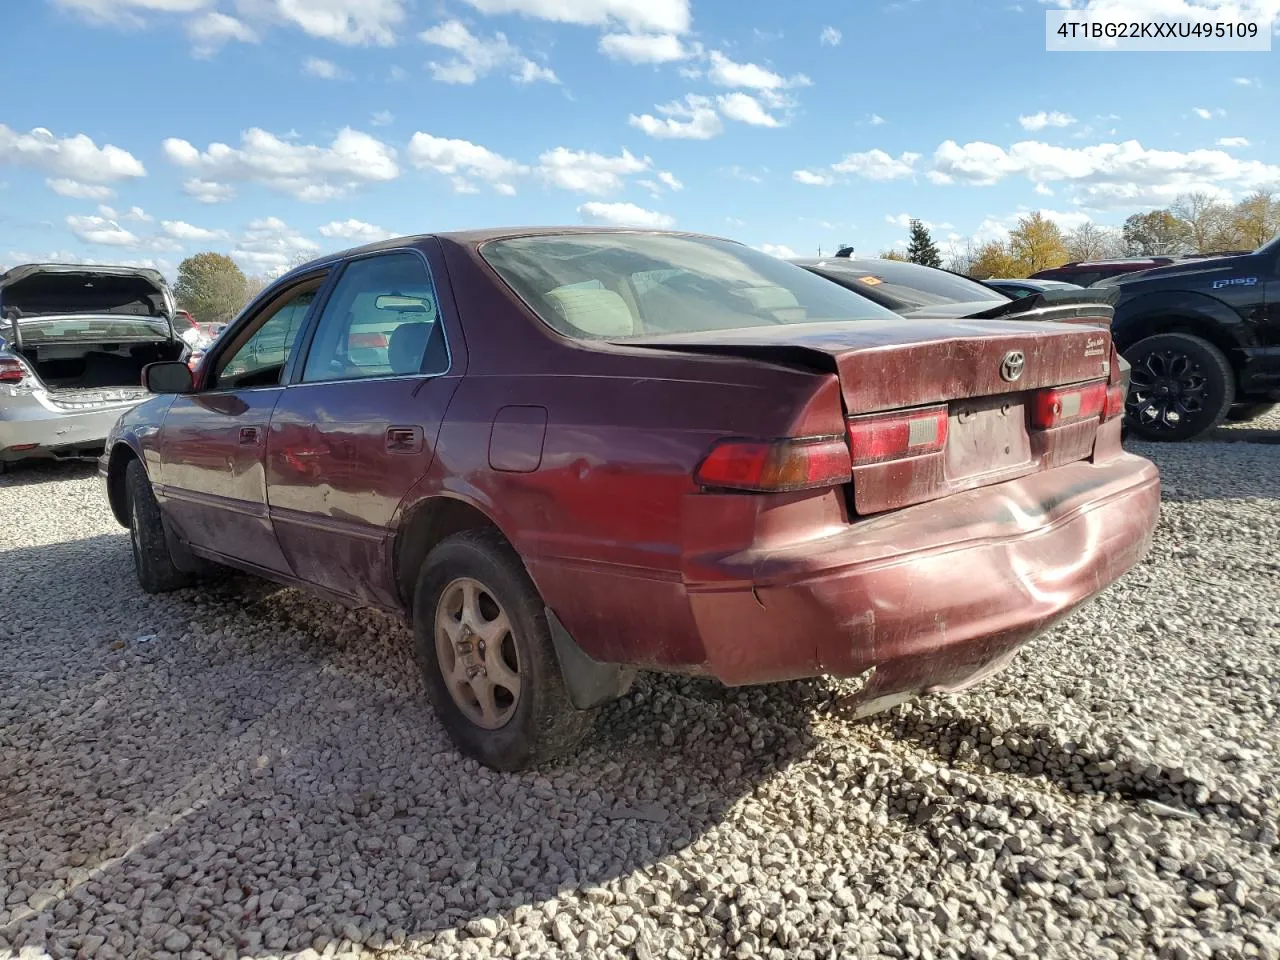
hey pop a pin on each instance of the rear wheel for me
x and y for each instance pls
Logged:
(487, 657)
(1241, 412)
(157, 572)
(1180, 386)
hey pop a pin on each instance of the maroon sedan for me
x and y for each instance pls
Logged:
(568, 454)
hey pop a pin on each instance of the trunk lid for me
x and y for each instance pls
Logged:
(968, 397)
(886, 365)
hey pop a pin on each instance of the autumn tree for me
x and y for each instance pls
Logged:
(1255, 219)
(994, 259)
(1092, 242)
(1037, 244)
(1205, 218)
(894, 255)
(1156, 233)
(210, 286)
(920, 246)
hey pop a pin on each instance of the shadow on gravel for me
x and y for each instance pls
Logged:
(30, 472)
(1038, 751)
(265, 775)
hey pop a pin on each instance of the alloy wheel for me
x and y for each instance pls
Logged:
(477, 652)
(1167, 388)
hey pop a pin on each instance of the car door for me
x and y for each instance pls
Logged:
(356, 427)
(213, 442)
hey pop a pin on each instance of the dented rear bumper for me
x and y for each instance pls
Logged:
(935, 596)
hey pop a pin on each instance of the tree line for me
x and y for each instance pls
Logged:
(1193, 223)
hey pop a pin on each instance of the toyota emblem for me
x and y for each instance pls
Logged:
(1014, 363)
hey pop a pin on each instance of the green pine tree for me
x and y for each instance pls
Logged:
(921, 248)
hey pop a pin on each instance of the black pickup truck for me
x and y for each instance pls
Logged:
(1203, 339)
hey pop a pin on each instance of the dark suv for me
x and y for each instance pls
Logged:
(1203, 337)
(1085, 273)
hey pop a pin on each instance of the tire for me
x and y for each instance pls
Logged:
(1180, 387)
(1241, 412)
(157, 572)
(505, 730)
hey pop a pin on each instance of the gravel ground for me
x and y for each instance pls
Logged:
(246, 771)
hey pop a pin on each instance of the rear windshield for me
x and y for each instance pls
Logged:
(907, 285)
(87, 328)
(622, 285)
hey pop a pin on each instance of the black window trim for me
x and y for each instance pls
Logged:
(297, 364)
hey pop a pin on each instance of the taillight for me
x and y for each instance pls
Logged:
(1062, 405)
(893, 436)
(1116, 394)
(12, 370)
(775, 466)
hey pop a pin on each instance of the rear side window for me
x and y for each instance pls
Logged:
(381, 320)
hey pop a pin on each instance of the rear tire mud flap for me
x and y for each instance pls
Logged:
(589, 681)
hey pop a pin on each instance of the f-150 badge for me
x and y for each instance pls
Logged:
(1236, 282)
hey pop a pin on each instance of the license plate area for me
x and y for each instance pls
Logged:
(987, 435)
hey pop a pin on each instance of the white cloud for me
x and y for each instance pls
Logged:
(127, 12)
(461, 159)
(382, 118)
(181, 230)
(746, 109)
(1044, 190)
(1206, 114)
(877, 165)
(305, 171)
(1233, 142)
(830, 37)
(74, 158)
(726, 73)
(349, 22)
(100, 230)
(207, 191)
(738, 173)
(210, 31)
(812, 178)
(268, 245)
(79, 191)
(638, 16)
(136, 214)
(694, 119)
(624, 215)
(1105, 174)
(1038, 121)
(475, 57)
(780, 250)
(355, 230)
(586, 172)
(903, 220)
(876, 120)
(324, 69)
(647, 47)
(1246, 82)
(669, 178)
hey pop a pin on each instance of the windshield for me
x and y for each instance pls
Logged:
(623, 285)
(907, 285)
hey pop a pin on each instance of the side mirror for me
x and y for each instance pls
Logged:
(169, 377)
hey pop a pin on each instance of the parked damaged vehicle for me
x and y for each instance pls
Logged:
(565, 455)
(73, 342)
(914, 290)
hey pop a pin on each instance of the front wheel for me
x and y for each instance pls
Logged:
(157, 573)
(1180, 387)
(487, 657)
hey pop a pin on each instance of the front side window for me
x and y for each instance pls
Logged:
(259, 361)
(381, 320)
(625, 285)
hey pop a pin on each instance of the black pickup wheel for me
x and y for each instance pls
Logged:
(1180, 387)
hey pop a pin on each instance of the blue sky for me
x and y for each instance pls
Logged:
(146, 130)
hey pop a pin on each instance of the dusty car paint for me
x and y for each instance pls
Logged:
(584, 458)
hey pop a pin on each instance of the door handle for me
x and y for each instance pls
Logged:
(249, 435)
(404, 439)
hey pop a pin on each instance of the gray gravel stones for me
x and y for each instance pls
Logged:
(264, 779)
